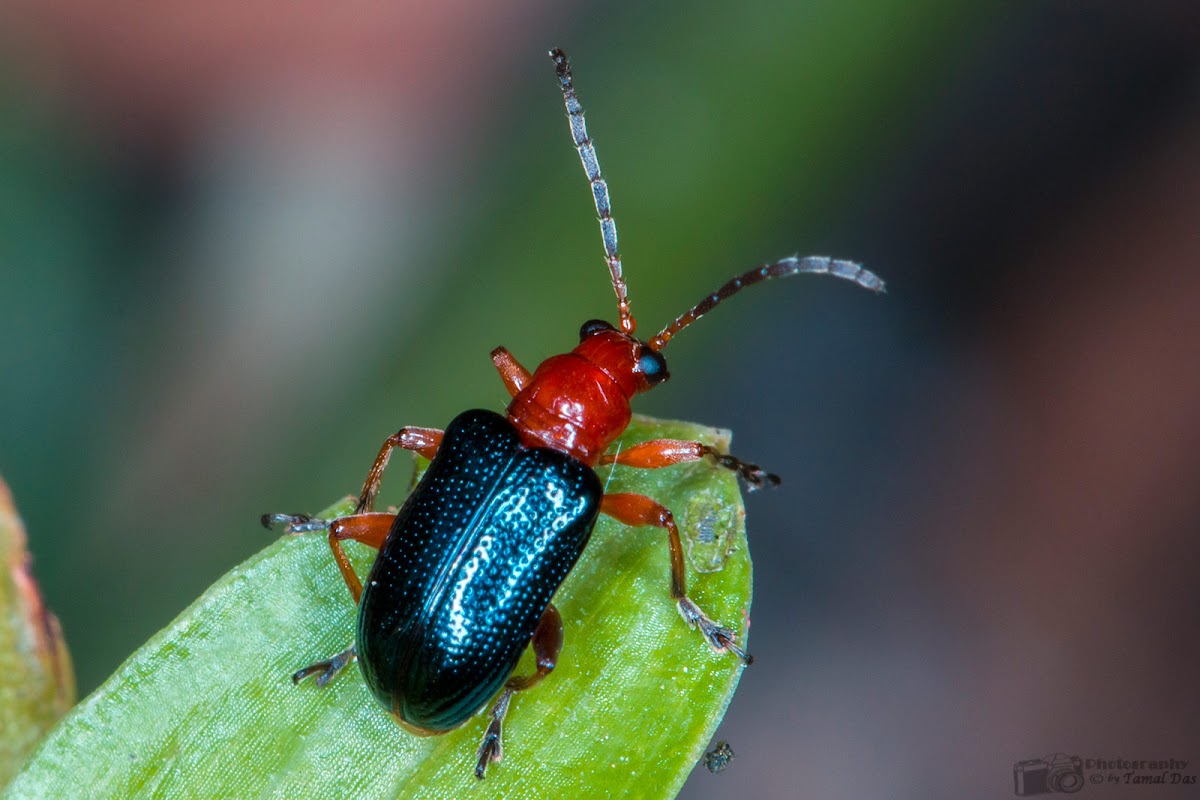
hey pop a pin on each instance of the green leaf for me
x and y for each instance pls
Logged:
(36, 682)
(207, 707)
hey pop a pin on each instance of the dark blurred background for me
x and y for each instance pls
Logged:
(241, 242)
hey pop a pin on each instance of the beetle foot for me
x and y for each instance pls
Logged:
(757, 478)
(327, 670)
(294, 523)
(754, 476)
(491, 749)
(719, 637)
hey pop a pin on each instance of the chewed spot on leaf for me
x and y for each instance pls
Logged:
(709, 534)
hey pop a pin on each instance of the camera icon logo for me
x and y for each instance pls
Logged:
(1058, 772)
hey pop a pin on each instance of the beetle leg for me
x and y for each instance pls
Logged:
(329, 669)
(369, 529)
(547, 644)
(421, 440)
(668, 452)
(637, 510)
(515, 376)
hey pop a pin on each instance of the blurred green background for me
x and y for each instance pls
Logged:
(241, 243)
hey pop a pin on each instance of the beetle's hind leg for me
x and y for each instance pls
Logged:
(637, 510)
(659, 453)
(547, 644)
(328, 669)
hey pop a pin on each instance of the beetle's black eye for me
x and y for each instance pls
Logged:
(594, 326)
(652, 366)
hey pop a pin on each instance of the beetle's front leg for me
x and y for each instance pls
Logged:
(547, 644)
(425, 441)
(659, 453)
(515, 376)
(637, 510)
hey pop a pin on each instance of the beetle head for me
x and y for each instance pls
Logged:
(628, 360)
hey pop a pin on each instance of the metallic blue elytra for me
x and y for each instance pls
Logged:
(470, 564)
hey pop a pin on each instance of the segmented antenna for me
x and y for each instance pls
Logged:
(818, 265)
(587, 154)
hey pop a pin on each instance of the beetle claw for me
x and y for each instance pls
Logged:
(718, 636)
(758, 478)
(327, 670)
(754, 476)
(491, 749)
(269, 521)
(294, 523)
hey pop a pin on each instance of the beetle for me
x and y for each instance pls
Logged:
(468, 566)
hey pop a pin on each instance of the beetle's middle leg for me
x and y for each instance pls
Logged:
(547, 644)
(668, 452)
(364, 526)
(636, 510)
(369, 529)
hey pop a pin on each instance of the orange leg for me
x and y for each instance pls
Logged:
(547, 644)
(370, 529)
(364, 526)
(636, 510)
(425, 441)
(515, 376)
(668, 452)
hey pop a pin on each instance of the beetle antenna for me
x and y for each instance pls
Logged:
(817, 265)
(587, 154)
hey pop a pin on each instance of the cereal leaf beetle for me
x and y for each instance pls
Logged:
(468, 566)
